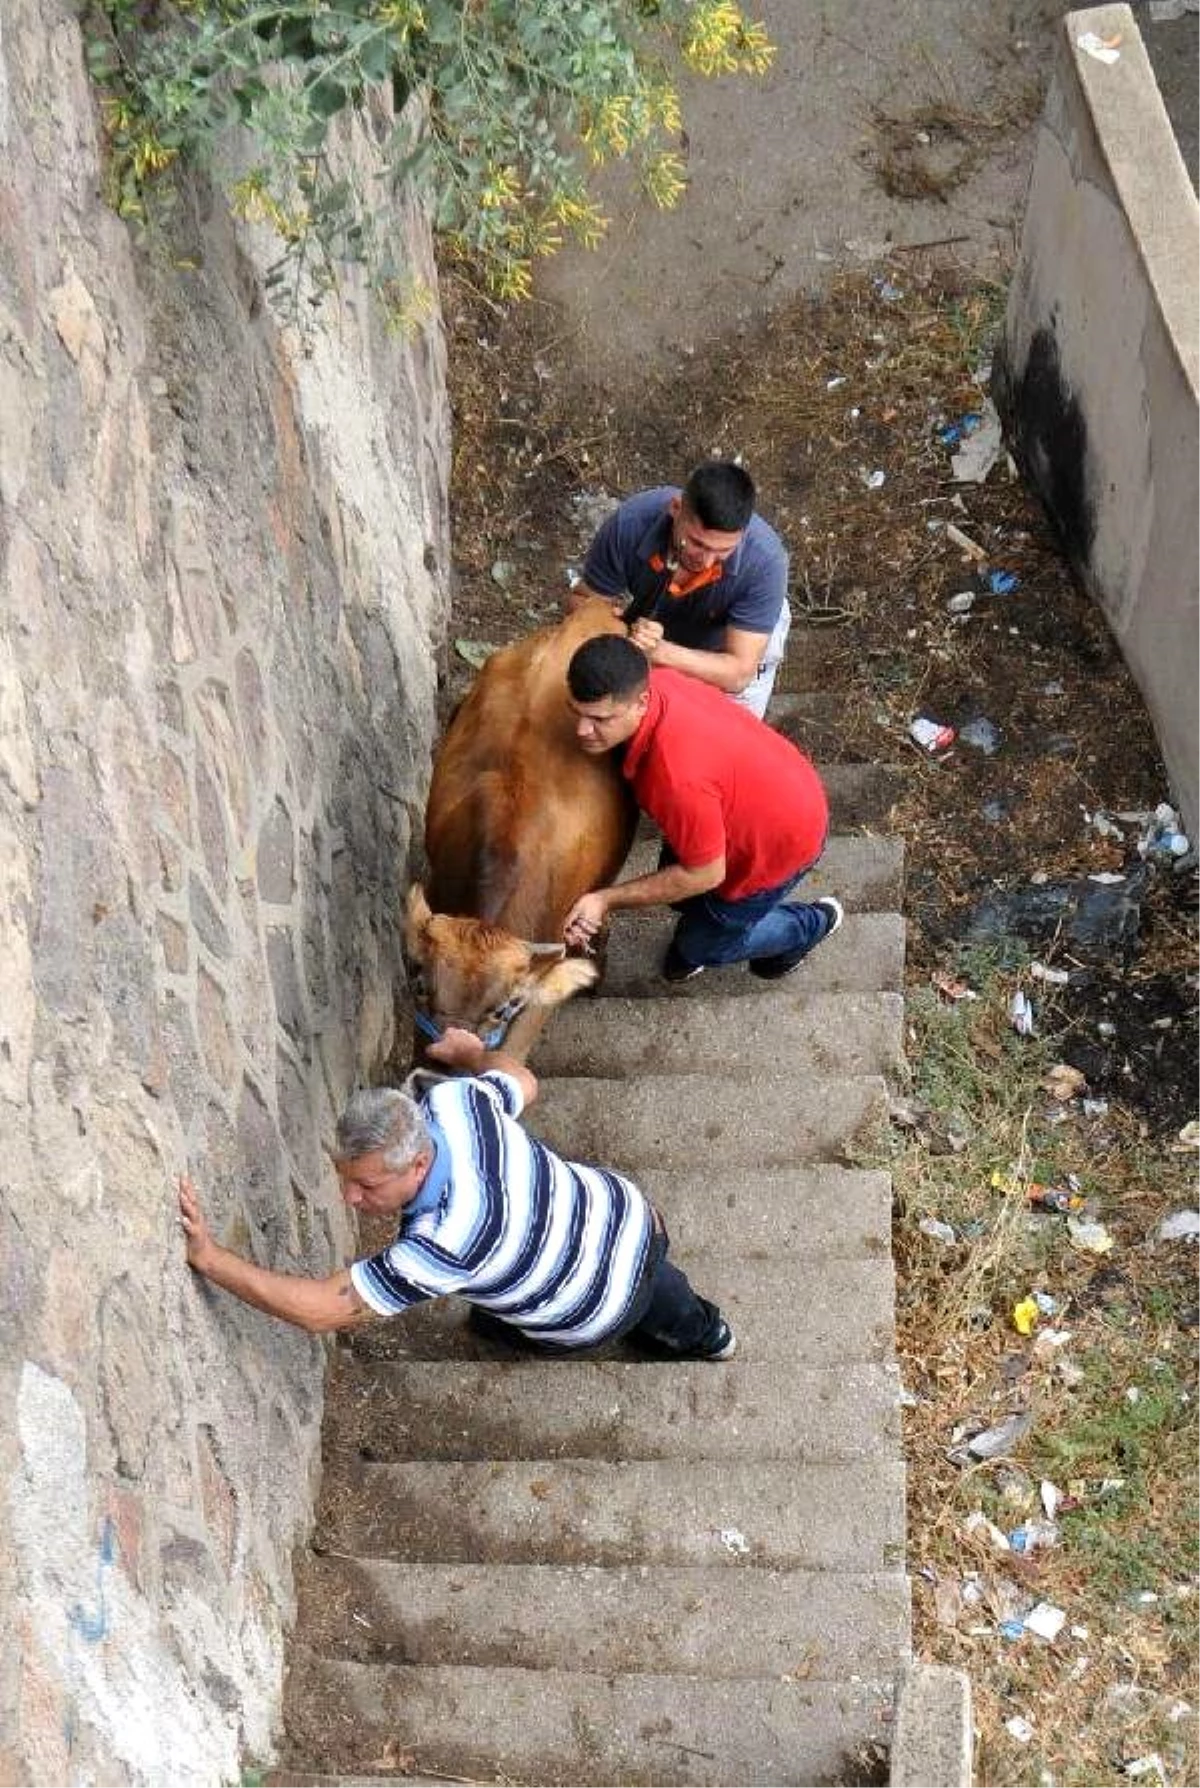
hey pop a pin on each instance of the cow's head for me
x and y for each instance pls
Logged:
(465, 972)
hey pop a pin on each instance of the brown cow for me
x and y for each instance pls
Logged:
(520, 822)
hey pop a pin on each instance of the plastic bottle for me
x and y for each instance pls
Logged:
(1032, 1534)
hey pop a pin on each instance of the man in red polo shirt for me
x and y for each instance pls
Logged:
(741, 810)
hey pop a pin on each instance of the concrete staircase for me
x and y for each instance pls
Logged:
(615, 1571)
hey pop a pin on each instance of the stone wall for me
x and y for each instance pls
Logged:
(223, 570)
(1100, 369)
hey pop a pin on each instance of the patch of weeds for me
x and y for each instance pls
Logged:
(1122, 1426)
(976, 320)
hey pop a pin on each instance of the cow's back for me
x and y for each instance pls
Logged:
(520, 821)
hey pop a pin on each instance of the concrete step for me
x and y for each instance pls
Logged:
(812, 651)
(303, 1778)
(609, 1409)
(602, 1512)
(674, 1620)
(559, 1726)
(773, 1212)
(860, 794)
(814, 718)
(671, 1121)
(865, 956)
(824, 1034)
(865, 872)
(820, 1310)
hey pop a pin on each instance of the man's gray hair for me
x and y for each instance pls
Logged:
(382, 1120)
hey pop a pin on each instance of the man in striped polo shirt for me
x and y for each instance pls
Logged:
(567, 1256)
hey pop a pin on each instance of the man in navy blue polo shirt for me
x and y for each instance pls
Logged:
(705, 578)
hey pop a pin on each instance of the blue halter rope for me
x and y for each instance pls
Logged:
(494, 1038)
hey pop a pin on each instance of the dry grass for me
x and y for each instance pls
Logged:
(930, 150)
(1114, 1402)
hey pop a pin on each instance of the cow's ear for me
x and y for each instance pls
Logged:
(419, 914)
(560, 980)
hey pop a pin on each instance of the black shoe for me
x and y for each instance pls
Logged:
(677, 967)
(723, 1346)
(774, 968)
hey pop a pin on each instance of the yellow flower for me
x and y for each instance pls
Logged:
(511, 279)
(720, 41)
(251, 200)
(401, 16)
(502, 189)
(149, 156)
(609, 129)
(580, 216)
(665, 180)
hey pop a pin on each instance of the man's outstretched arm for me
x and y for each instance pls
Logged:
(660, 888)
(318, 1305)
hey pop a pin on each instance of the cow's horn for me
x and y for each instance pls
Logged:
(546, 949)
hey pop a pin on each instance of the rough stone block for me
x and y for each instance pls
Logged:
(75, 863)
(173, 941)
(17, 1002)
(262, 1174)
(213, 828)
(207, 923)
(17, 763)
(216, 1037)
(73, 313)
(129, 1374)
(277, 857)
(933, 1739)
(220, 741)
(184, 1069)
(254, 711)
(285, 982)
(192, 581)
(298, 1105)
(173, 794)
(218, 1498)
(125, 983)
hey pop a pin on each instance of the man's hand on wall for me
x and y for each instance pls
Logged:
(200, 1245)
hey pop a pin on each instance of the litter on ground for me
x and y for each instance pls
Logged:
(1089, 1236)
(1046, 1620)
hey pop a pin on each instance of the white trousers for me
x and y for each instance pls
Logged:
(757, 693)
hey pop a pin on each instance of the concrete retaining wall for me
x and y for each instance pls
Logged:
(222, 574)
(1098, 377)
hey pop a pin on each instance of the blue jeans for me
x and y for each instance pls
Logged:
(712, 931)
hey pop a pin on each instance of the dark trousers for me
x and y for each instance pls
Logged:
(666, 1310)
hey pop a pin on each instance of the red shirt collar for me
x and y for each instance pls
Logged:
(639, 742)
